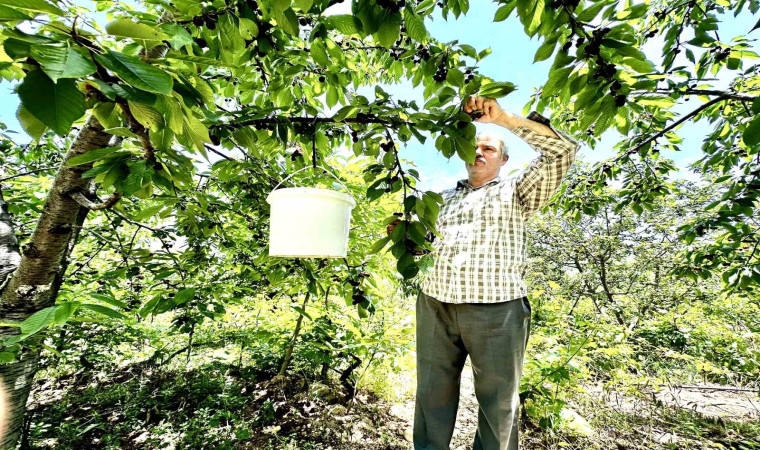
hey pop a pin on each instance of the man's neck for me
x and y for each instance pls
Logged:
(479, 182)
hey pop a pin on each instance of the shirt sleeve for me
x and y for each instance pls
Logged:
(536, 184)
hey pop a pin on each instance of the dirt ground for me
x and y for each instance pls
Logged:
(727, 405)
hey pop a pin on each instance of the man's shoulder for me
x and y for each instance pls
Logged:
(448, 193)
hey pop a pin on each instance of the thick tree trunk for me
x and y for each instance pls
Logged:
(36, 279)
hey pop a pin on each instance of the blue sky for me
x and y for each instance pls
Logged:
(511, 60)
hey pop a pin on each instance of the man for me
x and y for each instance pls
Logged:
(473, 301)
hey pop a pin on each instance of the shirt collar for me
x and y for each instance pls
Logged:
(465, 183)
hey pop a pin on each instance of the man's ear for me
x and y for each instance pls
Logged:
(504, 161)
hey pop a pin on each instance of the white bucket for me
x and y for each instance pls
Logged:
(309, 222)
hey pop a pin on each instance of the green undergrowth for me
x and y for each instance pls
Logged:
(212, 406)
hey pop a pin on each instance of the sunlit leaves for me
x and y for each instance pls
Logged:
(751, 135)
(62, 62)
(32, 7)
(57, 105)
(126, 28)
(136, 73)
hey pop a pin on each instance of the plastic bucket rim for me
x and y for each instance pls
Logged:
(310, 191)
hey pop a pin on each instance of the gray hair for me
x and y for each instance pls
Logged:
(503, 151)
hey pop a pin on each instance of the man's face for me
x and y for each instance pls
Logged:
(488, 159)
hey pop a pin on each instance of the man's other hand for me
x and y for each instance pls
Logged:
(490, 109)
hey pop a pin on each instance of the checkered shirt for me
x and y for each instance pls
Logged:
(482, 257)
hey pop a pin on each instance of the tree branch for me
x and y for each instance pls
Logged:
(671, 126)
(85, 202)
(27, 173)
(306, 120)
(725, 94)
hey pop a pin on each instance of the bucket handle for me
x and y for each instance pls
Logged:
(309, 167)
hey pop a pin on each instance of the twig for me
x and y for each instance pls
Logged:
(27, 173)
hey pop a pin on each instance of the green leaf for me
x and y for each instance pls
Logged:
(100, 309)
(184, 295)
(332, 96)
(465, 149)
(110, 300)
(38, 320)
(302, 312)
(148, 307)
(280, 5)
(287, 20)
(417, 233)
(545, 51)
(147, 116)
(345, 23)
(11, 15)
(57, 105)
(640, 66)
(125, 28)
(390, 26)
(92, 155)
(318, 53)
(557, 79)
(757, 25)
(415, 27)
(64, 311)
(634, 12)
(756, 106)
(537, 14)
(455, 77)
(178, 37)
(379, 245)
(134, 180)
(304, 5)
(431, 205)
(194, 130)
(503, 12)
(585, 97)
(606, 115)
(32, 126)
(496, 90)
(171, 111)
(588, 14)
(107, 114)
(121, 131)
(406, 266)
(127, 92)
(469, 50)
(62, 62)
(137, 73)
(33, 6)
(751, 135)
(195, 59)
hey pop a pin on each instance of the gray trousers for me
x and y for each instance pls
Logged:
(495, 336)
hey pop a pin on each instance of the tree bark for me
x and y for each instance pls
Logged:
(33, 284)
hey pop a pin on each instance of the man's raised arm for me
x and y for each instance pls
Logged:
(544, 174)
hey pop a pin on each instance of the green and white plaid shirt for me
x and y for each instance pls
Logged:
(482, 257)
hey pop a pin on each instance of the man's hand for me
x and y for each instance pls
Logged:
(490, 109)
